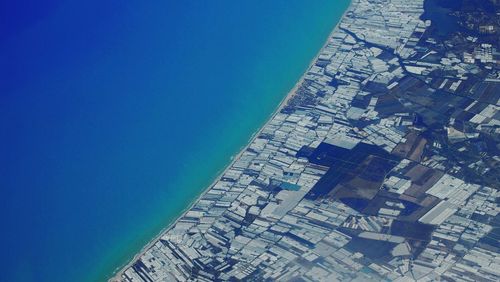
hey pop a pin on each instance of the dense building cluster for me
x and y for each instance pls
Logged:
(383, 165)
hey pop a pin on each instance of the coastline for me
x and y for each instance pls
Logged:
(115, 275)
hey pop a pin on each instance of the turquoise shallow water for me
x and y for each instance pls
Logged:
(115, 115)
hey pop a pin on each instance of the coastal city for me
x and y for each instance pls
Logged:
(383, 164)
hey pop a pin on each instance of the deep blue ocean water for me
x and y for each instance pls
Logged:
(115, 115)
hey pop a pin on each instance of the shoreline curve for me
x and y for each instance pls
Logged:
(115, 275)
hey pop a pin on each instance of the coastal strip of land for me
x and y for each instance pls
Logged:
(363, 171)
